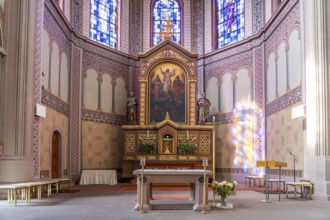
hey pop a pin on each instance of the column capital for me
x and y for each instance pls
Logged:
(99, 78)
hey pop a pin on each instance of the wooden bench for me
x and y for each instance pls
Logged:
(300, 185)
(27, 189)
(251, 180)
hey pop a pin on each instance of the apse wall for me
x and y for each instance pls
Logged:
(234, 83)
(84, 88)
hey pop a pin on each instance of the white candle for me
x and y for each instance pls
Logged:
(213, 119)
(147, 134)
(205, 162)
(187, 134)
(143, 162)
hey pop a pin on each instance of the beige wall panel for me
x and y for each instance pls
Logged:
(212, 94)
(285, 135)
(120, 97)
(243, 90)
(53, 121)
(54, 75)
(106, 93)
(91, 90)
(64, 78)
(226, 99)
(102, 145)
(281, 63)
(295, 72)
(271, 78)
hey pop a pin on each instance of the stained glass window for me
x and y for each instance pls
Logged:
(104, 22)
(230, 21)
(163, 10)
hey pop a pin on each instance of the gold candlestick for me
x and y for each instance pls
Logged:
(142, 163)
(204, 187)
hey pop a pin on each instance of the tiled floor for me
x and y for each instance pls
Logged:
(119, 204)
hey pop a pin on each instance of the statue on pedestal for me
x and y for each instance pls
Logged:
(131, 108)
(203, 109)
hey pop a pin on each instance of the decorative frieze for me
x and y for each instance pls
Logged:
(258, 18)
(197, 26)
(231, 117)
(102, 117)
(54, 102)
(292, 97)
(136, 27)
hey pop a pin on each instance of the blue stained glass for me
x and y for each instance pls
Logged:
(162, 9)
(103, 22)
(230, 21)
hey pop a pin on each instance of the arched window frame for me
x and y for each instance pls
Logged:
(216, 33)
(180, 5)
(94, 34)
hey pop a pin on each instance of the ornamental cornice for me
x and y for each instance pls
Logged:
(54, 102)
(290, 98)
(231, 117)
(102, 117)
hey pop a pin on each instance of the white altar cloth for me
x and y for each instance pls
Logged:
(98, 177)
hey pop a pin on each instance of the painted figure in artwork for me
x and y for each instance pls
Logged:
(178, 88)
(166, 80)
(131, 107)
(203, 107)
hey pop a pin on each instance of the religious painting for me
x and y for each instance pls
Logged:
(167, 86)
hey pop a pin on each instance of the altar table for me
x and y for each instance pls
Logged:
(194, 177)
(89, 177)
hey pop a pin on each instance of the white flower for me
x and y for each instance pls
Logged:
(230, 185)
(235, 183)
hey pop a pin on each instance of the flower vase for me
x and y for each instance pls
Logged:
(224, 204)
(223, 201)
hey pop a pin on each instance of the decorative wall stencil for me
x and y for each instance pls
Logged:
(37, 74)
(102, 117)
(136, 27)
(197, 26)
(54, 102)
(104, 66)
(258, 19)
(285, 101)
(76, 16)
(230, 117)
(75, 111)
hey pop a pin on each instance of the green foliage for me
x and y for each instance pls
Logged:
(147, 148)
(186, 148)
(224, 188)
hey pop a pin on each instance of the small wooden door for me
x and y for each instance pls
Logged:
(56, 155)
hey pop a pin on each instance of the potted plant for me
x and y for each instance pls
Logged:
(147, 148)
(186, 148)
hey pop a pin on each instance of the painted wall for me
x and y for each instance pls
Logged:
(54, 121)
(102, 145)
(285, 135)
(107, 103)
(55, 64)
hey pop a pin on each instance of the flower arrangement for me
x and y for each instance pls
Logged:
(224, 188)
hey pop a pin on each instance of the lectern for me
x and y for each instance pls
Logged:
(268, 164)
